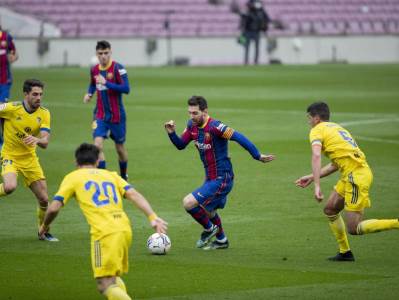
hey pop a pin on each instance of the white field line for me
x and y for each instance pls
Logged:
(371, 121)
(371, 139)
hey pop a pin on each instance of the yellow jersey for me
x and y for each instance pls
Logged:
(338, 145)
(18, 123)
(99, 194)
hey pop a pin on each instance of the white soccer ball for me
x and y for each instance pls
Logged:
(159, 243)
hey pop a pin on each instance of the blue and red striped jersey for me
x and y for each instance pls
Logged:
(6, 46)
(109, 106)
(211, 140)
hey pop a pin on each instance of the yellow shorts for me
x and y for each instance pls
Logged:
(354, 187)
(109, 255)
(28, 166)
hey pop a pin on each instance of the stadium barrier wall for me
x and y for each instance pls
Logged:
(212, 51)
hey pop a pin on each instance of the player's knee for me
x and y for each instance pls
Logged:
(10, 187)
(330, 211)
(352, 230)
(103, 283)
(189, 202)
(351, 227)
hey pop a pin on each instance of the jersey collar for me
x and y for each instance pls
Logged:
(101, 68)
(26, 109)
(206, 122)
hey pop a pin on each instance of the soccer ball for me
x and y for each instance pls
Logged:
(158, 243)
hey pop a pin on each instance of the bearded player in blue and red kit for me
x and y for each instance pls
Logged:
(110, 80)
(211, 139)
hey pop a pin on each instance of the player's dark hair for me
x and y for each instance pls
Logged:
(320, 109)
(87, 154)
(198, 100)
(30, 83)
(102, 45)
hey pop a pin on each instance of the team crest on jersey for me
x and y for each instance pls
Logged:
(3, 44)
(207, 136)
(19, 118)
(38, 119)
(28, 129)
(110, 76)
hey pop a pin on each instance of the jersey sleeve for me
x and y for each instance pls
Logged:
(10, 44)
(316, 136)
(122, 81)
(222, 130)
(45, 125)
(92, 86)
(65, 191)
(122, 185)
(7, 110)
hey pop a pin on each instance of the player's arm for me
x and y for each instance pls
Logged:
(51, 214)
(140, 202)
(121, 87)
(179, 142)
(91, 89)
(12, 54)
(247, 144)
(42, 141)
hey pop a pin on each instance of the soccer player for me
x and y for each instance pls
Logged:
(351, 193)
(26, 125)
(99, 194)
(211, 139)
(110, 80)
(8, 55)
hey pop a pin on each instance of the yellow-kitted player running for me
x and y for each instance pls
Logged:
(26, 125)
(352, 190)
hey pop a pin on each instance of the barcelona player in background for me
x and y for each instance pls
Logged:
(99, 194)
(211, 139)
(109, 80)
(351, 193)
(8, 55)
(26, 126)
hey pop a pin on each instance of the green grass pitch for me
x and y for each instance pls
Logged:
(278, 235)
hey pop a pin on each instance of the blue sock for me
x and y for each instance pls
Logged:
(102, 164)
(123, 169)
(200, 215)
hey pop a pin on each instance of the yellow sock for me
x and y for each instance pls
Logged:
(40, 212)
(119, 282)
(337, 226)
(374, 225)
(2, 192)
(114, 292)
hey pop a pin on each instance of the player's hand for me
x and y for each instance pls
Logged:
(318, 194)
(266, 158)
(159, 225)
(304, 181)
(87, 98)
(30, 140)
(11, 57)
(170, 126)
(100, 79)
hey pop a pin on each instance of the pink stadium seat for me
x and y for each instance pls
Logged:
(142, 18)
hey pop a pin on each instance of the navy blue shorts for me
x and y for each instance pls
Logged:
(116, 131)
(213, 193)
(4, 92)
